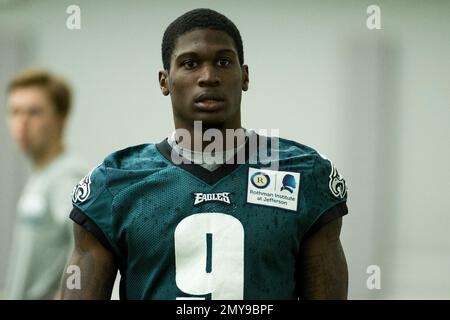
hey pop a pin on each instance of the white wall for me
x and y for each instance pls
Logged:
(12, 171)
(376, 102)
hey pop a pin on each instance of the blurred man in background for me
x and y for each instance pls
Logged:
(38, 105)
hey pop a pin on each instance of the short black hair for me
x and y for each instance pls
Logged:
(199, 19)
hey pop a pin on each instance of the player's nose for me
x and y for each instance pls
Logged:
(208, 76)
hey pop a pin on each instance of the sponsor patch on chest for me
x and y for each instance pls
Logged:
(273, 188)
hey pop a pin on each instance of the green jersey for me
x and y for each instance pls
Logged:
(180, 231)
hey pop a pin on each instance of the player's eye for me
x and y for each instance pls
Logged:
(189, 64)
(224, 62)
(35, 111)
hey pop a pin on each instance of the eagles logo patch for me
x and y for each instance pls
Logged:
(337, 183)
(82, 190)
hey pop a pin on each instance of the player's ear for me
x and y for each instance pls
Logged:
(164, 82)
(245, 78)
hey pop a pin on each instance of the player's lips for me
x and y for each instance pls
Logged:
(209, 101)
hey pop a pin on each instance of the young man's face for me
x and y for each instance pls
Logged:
(32, 119)
(206, 80)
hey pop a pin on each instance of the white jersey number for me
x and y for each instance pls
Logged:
(225, 280)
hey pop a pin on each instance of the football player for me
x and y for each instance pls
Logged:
(180, 224)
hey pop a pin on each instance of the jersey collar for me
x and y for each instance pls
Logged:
(209, 177)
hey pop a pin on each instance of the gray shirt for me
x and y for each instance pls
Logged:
(43, 234)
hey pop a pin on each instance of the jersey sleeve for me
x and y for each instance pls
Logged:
(92, 206)
(327, 196)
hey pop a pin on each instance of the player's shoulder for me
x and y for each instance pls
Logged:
(132, 164)
(318, 167)
(297, 152)
(287, 145)
(119, 170)
(310, 161)
(138, 157)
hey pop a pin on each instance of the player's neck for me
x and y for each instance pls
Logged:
(199, 140)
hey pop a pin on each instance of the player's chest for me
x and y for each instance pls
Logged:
(252, 204)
